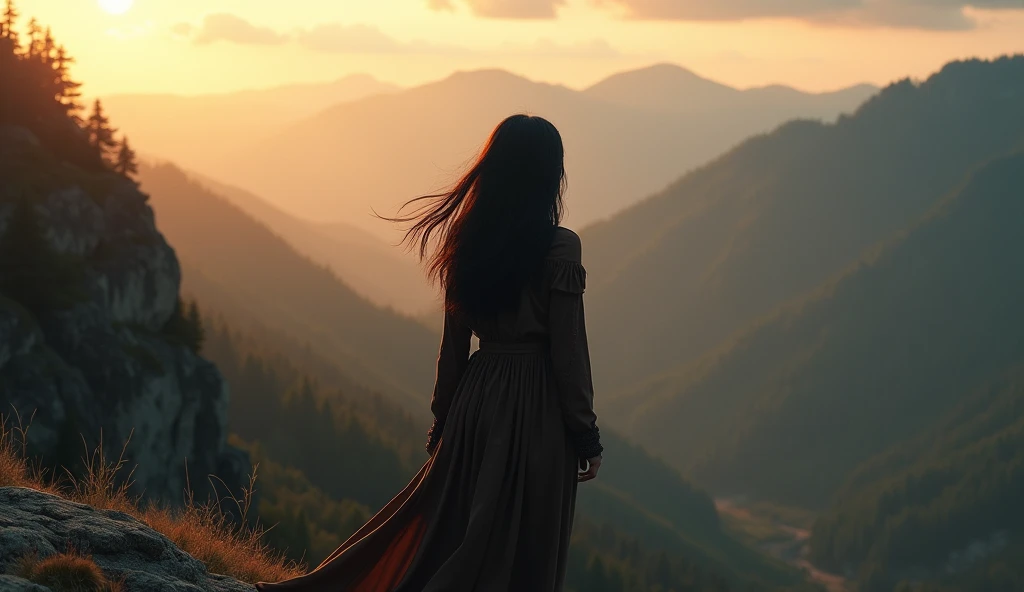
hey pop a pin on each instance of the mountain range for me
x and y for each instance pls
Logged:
(770, 221)
(829, 317)
(374, 153)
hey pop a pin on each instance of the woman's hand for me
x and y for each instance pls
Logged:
(588, 469)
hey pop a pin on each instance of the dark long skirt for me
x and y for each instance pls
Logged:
(491, 511)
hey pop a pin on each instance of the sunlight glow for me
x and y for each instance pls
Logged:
(116, 6)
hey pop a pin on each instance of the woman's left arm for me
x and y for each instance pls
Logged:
(452, 360)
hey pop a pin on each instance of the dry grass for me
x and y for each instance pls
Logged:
(228, 547)
(66, 572)
(15, 470)
(98, 485)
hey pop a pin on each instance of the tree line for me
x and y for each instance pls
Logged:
(40, 94)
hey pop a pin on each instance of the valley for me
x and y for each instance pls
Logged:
(783, 533)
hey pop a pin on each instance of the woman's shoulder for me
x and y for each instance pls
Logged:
(566, 245)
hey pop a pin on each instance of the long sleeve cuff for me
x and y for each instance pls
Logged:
(588, 443)
(434, 436)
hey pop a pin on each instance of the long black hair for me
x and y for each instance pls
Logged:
(491, 232)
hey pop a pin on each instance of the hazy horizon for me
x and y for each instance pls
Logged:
(398, 86)
(237, 45)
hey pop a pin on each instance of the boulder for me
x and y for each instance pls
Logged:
(123, 547)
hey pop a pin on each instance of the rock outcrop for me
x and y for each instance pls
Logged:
(105, 364)
(124, 548)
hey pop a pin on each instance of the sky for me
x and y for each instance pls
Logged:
(204, 46)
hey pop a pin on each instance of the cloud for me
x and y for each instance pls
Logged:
(727, 10)
(228, 27)
(922, 14)
(903, 15)
(597, 48)
(510, 9)
(183, 29)
(367, 39)
(338, 38)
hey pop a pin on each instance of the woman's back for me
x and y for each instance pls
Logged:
(529, 321)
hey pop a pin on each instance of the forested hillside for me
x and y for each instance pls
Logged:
(667, 530)
(236, 265)
(379, 270)
(768, 222)
(944, 506)
(297, 417)
(787, 409)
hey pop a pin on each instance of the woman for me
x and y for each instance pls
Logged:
(514, 428)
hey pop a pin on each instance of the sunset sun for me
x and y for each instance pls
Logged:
(116, 6)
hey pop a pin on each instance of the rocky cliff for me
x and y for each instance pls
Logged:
(100, 360)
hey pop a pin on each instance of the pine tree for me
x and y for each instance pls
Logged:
(35, 39)
(65, 89)
(32, 272)
(10, 46)
(7, 24)
(101, 134)
(196, 330)
(47, 47)
(126, 166)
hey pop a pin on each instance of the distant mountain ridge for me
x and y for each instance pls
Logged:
(192, 129)
(382, 272)
(670, 87)
(379, 151)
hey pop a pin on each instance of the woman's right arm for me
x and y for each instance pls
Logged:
(570, 353)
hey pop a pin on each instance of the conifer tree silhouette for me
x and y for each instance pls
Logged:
(32, 272)
(7, 23)
(101, 134)
(125, 164)
(65, 89)
(35, 39)
(195, 324)
(186, 325)
(47, 47)
(40, 95)
(10, 45)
